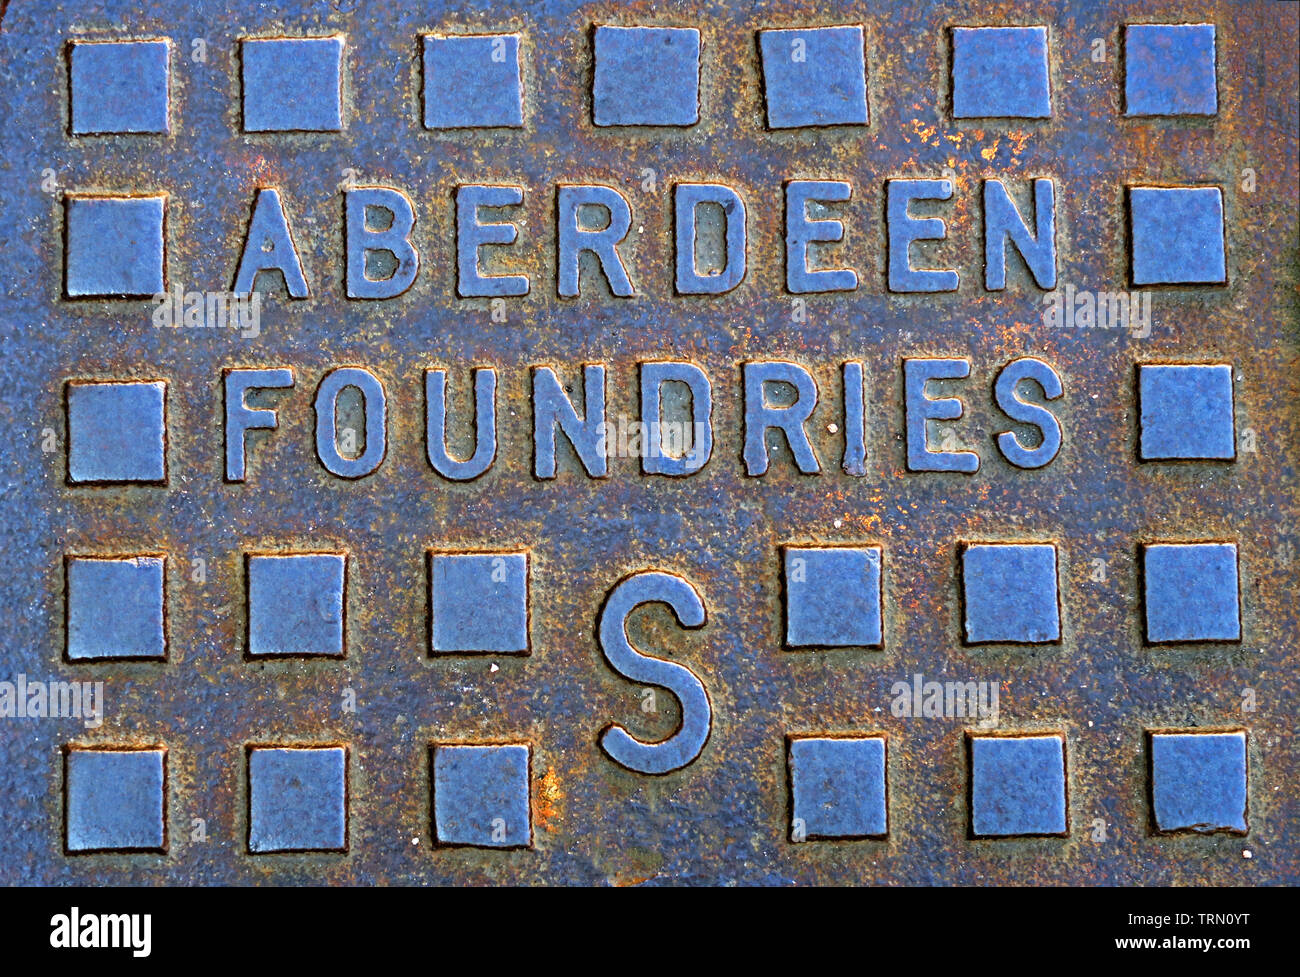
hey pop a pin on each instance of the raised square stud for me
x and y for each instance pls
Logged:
(296, 604)
(1009, 593)
(472, 81)
(832, 596)
(1169, 70)
(1000, 72)
(115, 608)
(815, 76)
(1017, 786)
(297, 799)
(1190, 592)
(646, 76)
(292, 84)
(481, 795)
(117, 431)
(114, 246)
(837, 787)
(1186, 411)
(1177, 235)
(115, 800)
(479, 602)
(118, 86)
(1198, 782)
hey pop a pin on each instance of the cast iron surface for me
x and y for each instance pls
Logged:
(726, 816)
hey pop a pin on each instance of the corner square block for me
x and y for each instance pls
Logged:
(292, 84)
(114, 246)
(1009, 593)
(115, 800)
(1177, 235)
(1017, 785)
(479, 602)
(296, 604)
(481, 796)
(646, 76)
(117, 431)
(1169, 70)
(832, 597)
(1198, 782)
(837, 785)
(297, 799)
(1190, 592)
(1186, 411)
(115, 607)
(118, 86)
(472, 81)
(814, 77)
(1000, 72)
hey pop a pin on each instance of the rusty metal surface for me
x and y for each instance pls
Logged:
(726, 816)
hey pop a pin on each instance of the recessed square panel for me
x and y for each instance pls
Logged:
(815, 76)
(472, 81)
(115, 608)
(117, 431)
(1000, 72)
(646, 76)
(481, 795)
(1017, 786)
(296, 604)
(837, 787)
(297, 799)
(114, 247)
(1169, 69)
(118, 86)
(292, 84)
(115, 800)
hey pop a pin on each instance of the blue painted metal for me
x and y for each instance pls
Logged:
(1017, 786)
(1000, 72)
(292, 84)
(296, 604)
(115, 608)
(837, 787)
(118, 86)
(481, 795)
(646, 76)
(479, 602)
(1177, 235)
(833, 597)
(115, 800)
(117, 431)
(814, 77)
(472, 82)
(1198, 781)
(1191, 592)
(1009, 593)
(588, 519)
(115, 246)
(1169, 69)
(297, 799)
(1186, 411)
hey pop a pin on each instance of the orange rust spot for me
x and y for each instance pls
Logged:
(549, 798)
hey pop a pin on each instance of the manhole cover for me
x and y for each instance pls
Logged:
(570, 443)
